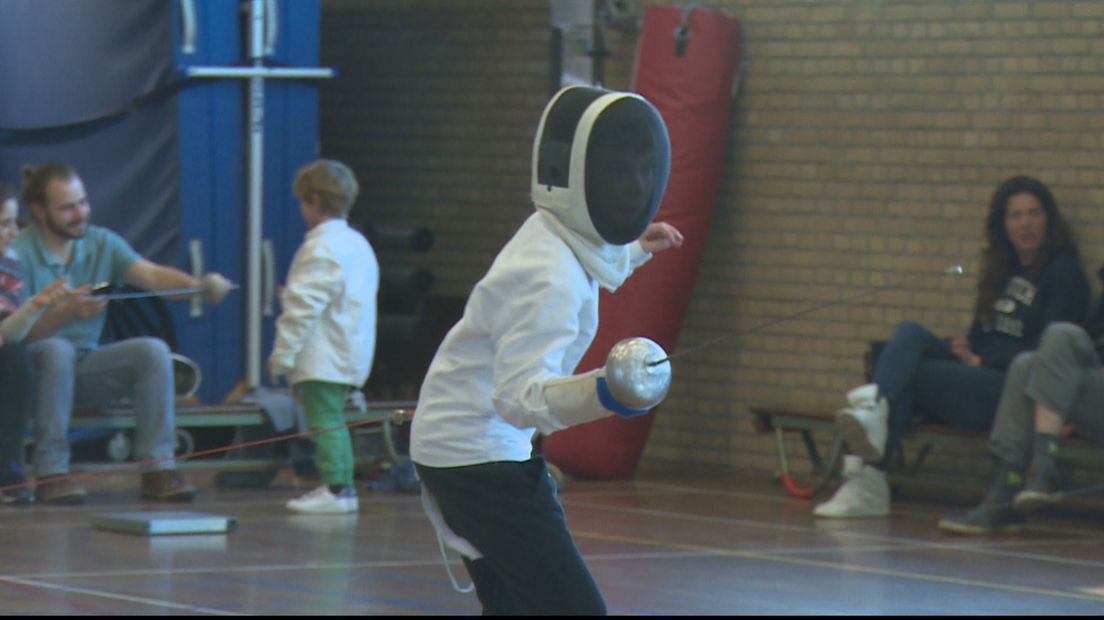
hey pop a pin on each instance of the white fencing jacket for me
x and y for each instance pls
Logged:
(531, 318)
(327, 329)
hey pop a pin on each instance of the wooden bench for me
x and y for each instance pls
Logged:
(1073, 450)
(376, 416)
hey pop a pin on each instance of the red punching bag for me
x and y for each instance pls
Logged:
(686, 64)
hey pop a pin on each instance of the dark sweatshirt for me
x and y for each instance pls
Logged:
(1060, 293)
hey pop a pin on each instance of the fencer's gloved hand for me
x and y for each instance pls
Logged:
(632, 380)
(213, 287)
(627, 386)
(609, 401)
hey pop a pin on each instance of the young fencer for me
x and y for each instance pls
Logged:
(507, 368)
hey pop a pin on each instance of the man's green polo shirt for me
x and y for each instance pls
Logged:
(100, 256)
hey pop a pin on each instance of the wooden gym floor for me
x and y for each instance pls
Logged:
(656, 547)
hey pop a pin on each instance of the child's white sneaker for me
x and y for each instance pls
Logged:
(864, 424)
(864, 492)
(322, 502)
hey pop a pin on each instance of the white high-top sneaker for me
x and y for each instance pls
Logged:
(864, 492)
(865, 423)
(322, 501)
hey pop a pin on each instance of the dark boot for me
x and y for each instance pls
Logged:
(1041, 491)
(995, 514)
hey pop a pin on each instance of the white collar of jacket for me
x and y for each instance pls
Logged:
(608, 264)
(566, 207)
(331, 224)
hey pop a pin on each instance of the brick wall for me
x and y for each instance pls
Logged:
(866, 141)
(435, 108)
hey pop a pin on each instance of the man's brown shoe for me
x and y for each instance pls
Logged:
(166, 485)
(58, 489)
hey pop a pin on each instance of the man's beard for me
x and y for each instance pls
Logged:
(65, 232)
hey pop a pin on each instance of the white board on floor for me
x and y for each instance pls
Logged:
(158, 523)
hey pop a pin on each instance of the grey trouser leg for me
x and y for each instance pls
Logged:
(137, 367)
(1014, 426)
(1066, 376)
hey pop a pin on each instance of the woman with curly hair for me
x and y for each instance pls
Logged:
(1031, 276)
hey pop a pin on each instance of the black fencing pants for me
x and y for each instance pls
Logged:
(510, 512)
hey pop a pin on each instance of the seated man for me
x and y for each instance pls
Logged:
(61, 243)
(1060, 384)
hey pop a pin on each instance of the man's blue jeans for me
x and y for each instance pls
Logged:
(137, 367)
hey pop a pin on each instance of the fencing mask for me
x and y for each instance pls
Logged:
(601, 161)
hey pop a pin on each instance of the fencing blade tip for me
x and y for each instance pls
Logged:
(658, 362)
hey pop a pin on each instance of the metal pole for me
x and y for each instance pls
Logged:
(256, 200)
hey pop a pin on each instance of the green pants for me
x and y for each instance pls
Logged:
(324, 407)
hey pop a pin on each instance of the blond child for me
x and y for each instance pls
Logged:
(325, 336)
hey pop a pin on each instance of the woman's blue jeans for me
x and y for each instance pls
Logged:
(922, 379)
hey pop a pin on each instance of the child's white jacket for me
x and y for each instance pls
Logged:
(327, 329)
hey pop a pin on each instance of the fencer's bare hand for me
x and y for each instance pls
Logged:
(276, 370)
(960, 346)
(56, 291)
(80, 304)
(660, 236)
